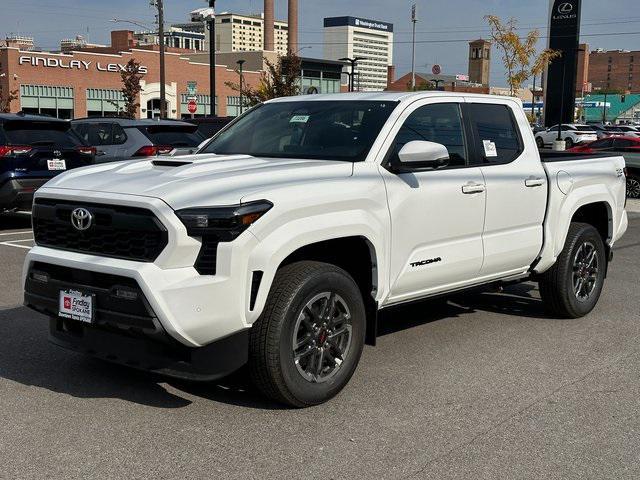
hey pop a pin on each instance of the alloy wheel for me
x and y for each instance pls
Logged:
(633, 187)
(585, 271)
(322, 337)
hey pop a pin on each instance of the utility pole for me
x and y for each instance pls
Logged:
(163, 93)
(212, 58)
(414, 20)
(533, 100)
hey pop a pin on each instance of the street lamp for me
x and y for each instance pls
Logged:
(353, 62)
(240, 63)
(163, 93)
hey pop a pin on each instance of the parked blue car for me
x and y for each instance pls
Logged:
(34, 149)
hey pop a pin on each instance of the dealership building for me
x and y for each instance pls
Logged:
(88, 83)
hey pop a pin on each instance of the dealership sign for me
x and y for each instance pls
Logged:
(51, 62)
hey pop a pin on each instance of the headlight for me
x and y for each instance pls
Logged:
(223, 223)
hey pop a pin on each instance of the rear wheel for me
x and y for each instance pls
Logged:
(307, 343)
(540, 142)
(572, 287)
(568, 142)
(633, 186)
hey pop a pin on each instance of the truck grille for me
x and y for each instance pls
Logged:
(128, 233)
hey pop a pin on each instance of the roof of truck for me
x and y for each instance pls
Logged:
(387, 96)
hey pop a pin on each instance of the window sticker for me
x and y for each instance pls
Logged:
(299, 119)
(489, 148)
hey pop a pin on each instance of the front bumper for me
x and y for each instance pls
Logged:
(125, 328)
(17, 194)
(193, 309)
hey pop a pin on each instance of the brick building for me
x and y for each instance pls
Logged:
(88, 83)
(615, 69)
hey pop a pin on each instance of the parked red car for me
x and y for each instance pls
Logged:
(623, 144)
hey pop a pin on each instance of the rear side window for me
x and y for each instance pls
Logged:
(495, 133)
(40, 134)
(175, 136)
(439, 123)
(97, 134)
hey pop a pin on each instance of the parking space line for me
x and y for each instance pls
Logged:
(10, 244)
(6, 234)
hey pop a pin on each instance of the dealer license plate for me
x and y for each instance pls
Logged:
(56, 164)
(76, 306)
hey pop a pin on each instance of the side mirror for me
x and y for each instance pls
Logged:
(421, 155)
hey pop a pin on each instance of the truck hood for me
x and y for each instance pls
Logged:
(199, 180)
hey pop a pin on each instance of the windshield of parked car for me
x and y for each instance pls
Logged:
(40, 134)
(328, 130)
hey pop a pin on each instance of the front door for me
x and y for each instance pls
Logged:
(437, 216)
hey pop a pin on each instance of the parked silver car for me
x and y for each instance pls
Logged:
(122, 139)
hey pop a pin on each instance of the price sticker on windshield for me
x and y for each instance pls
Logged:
(490, 149)
(299, 119)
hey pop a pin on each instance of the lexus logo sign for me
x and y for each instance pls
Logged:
(81, 219)
(565, 8)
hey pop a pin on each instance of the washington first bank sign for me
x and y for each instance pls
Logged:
(83, 65)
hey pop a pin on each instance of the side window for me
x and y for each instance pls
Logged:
(440, 123)
(496, 135)
(603, 143)
(118, 137)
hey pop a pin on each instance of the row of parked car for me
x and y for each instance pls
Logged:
(33, 149)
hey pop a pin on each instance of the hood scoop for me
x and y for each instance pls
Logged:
(170, 163)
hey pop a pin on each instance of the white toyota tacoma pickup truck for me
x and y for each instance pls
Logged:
(277, 244)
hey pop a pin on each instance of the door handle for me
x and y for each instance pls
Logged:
(470, 188)
(534, 182)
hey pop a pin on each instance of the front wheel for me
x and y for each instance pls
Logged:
(568, 143)
(633, 186)
(572, 287)
(540, 142)
(307, 343)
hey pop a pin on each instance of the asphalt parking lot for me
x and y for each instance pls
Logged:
(484, 386)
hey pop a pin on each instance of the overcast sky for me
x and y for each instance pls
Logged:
(444, 29)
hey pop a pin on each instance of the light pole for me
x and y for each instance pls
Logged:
(533, 99)
(414, 20)
(353, 62)
(240, 63)
(604, 108)
(211, 25)
(163, 93)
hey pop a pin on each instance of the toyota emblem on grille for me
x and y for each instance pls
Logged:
(81, 219)
(57, 153)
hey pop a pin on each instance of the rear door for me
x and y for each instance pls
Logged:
(54, 147)
(107, 137)
(516, 185)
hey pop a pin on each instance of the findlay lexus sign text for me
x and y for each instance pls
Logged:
(51, 62)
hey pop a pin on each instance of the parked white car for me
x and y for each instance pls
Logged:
(277, 246)
(571, 133)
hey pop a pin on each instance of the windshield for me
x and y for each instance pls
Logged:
(328, 130)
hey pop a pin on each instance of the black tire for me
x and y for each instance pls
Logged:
(633, 186)
(540, 142)
(557, 287)
(271, 355)
(568, 143)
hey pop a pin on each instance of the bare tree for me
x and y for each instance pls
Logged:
(519, 55)
(281, 79)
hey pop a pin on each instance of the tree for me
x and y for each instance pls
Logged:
(422, 86)
(281, 79)
(131, 88)
(518, 54)
(6, 99)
